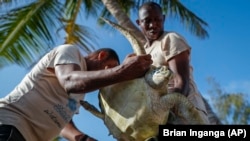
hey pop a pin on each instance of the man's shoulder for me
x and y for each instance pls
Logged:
(172, 33)
(66, 46)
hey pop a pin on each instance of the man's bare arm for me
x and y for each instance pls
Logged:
(76, 81)
(180, 66)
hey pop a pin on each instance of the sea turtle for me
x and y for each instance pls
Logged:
(133, 110)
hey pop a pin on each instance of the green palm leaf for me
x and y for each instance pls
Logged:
(77, 34)
(192, 22)
(27, 31)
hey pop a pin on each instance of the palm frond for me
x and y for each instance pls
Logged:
(91, 7)
(77, 34)
(83, 37)
(192, 22)
(11, 4)
(28, 31)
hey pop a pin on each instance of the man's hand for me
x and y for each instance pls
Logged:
(135, 66)
(84, 138)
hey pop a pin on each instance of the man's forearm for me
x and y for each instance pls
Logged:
(87, 81)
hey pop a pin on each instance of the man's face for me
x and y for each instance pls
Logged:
(151, 22)
(110, 63)
(100, 61)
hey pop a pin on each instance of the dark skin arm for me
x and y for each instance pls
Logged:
(71, 133)
(76, 81)
(180, 66)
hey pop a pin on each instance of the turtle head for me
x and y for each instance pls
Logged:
(158, 77)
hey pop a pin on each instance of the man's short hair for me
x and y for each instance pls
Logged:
(111, 53)
(150, 4)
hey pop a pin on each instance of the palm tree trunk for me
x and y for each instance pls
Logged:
(123, 20)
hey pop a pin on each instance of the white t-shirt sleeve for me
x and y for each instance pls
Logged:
(67, 54)
(173, 44)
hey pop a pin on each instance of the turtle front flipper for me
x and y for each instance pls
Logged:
(92, 109)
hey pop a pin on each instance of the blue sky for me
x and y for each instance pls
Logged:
(223, 56)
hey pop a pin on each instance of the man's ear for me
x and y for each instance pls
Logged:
(102, 55)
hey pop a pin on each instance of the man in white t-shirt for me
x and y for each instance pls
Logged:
(172, 50)
(42, 105)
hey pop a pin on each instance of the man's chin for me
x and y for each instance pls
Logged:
(152, 38)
